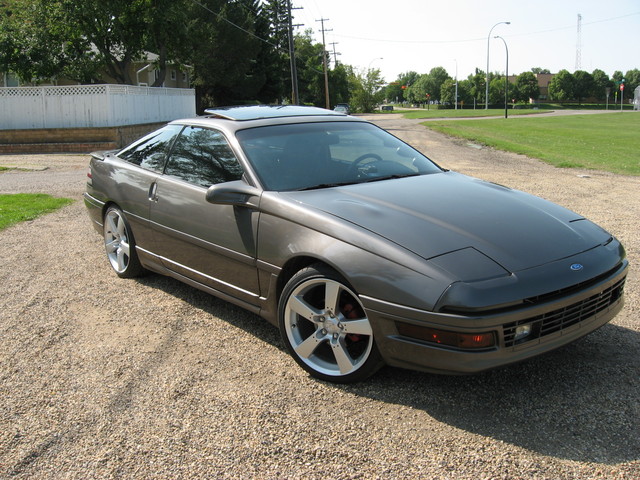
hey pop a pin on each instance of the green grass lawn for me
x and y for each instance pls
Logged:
(19, 207)
(467, 113)
(609, 142)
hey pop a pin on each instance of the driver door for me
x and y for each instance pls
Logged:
(212, 244)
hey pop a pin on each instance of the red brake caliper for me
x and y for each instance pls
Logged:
(350, 312)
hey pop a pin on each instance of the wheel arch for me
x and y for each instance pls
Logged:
(293, 266)
(108, 204)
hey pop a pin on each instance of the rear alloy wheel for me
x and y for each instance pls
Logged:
(325, 327)
(119, 244)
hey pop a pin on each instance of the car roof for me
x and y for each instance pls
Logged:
(232, 119)
(257, 112)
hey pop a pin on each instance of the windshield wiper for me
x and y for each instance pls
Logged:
(326, 185)
(391, 177)
(342, 184)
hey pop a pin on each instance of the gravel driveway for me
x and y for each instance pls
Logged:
(108, 378)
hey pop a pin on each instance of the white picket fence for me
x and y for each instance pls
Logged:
(77, 106)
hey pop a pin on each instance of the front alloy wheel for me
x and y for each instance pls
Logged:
(325, 327)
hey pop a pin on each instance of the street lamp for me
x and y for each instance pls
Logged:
(506, 77)
(486, 98)
(456, 99)
(378, 58)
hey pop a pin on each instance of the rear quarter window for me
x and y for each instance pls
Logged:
(150, 151)
(202, 156)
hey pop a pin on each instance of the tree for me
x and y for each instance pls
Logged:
(561, 86)
(114, 29)
(496, 90)
(631, 82)
(166, 34)
(428, 83)
(83, 40)
(418, 90)
(366, 90)
(526, 87)
(538, 70)
(617, 76)
(310, 72)
(275, 57)
(601, 82)
(35, 44)
(437, 76)
(477, 86)
(395, 91)
(464, 93)
(339, 84)
(583, 85)
(448, 92)
(224, 51)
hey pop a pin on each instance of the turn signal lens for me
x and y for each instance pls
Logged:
(478, 340)
(467, 341)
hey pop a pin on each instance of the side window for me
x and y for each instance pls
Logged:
(150, 151)
(203, 157)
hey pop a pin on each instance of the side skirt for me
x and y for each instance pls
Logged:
(152, 262)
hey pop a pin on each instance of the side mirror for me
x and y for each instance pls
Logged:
(236, 193)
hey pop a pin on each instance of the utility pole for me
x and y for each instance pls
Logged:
(579, 45)
(335, 58)
(292, 59)
(324, 64)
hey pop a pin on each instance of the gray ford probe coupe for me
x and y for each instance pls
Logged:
(362, 250)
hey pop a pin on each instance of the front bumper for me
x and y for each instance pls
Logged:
(554, 323)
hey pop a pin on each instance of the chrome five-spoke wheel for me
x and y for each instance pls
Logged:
(119, 244)
(325, 327)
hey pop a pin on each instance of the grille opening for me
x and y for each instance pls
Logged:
(559, 319)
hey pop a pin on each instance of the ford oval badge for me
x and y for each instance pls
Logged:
(576, 266)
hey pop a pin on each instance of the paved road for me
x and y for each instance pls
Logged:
(108, 378)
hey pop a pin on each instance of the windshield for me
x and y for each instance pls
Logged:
(324, 154)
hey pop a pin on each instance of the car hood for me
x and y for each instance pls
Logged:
(432, 215)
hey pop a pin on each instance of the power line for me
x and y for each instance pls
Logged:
(467, 40)
(225, 19)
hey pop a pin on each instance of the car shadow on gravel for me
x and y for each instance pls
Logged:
(580, 402)
(234, 315)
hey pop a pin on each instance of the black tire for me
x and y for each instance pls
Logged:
(120, 245)
(325, 327)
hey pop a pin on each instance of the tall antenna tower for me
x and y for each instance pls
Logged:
(579, 45)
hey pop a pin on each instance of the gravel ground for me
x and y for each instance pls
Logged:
(108, 378)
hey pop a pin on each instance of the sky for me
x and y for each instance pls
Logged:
(418, 35)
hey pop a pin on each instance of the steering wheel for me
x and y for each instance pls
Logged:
(354, 166)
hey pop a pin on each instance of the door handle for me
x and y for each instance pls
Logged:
(153, 189)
